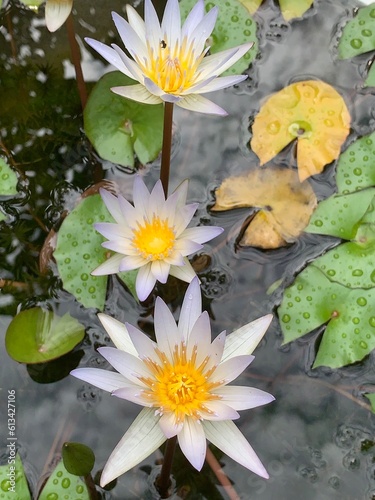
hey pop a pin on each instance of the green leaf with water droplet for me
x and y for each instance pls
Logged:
(8, 179)
(78, 458)
(79, 251)
(36, 335)
(13, 471)
(355, 167)
(62, 484)
(371, 398)
(234, 26)
(118, 128)
(314, 300)
(358, 35)
(340, 215)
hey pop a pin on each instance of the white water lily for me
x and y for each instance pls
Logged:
(152, 235)
(181, 381)
(169, 60)
(57, 12)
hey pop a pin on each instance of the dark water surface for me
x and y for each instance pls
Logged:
(316, 439)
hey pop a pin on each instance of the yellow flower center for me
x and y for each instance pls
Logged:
(180, 387)
(173, 69)
(154, 240)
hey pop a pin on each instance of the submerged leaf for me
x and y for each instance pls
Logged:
(234, 26)
(118, 128)
(14, 469)
(358, 36)
(36, 335)
(8, 179)
(286, 205)
(310, 111)
(62, 484)
(371, 398)
(79, 251)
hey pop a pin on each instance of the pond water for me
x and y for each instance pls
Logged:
(316, 439)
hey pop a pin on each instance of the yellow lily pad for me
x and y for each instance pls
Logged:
(251, 5)
(289, 8)
(285, 205)
(310, 111)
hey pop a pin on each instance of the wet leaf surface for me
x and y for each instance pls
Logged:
(21, 489)
(358, 35)
(79, 251)
(285, 205)
(8, 179)
(120, 128)
(289, 8)
(311, 112)
(62, 484)
(234, 26)
(36, 335)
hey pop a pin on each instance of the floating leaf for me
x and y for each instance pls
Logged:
(294, 8)
(314, 300)
(62, 484)
(234, 26)
(312, 112)
(370, 80)
(355, 168)
(36, 335)
(339, 215)
(358, 36)
(8, 179)
(79, 251)
(286, 205)
(78, 458)
(251, 5)
(118, 127)
(33, 4)
(19, 490)
(371, 398)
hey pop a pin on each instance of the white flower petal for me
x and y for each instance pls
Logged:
(216, 410)
(144, 345)
(194, 17)
(203, 30)
(222, 82)
(130, 366)
(245, 339)
(230, 369)
(221, 61)
(133, 394)
(191, 308)
(184, 273)
(130, 38)
(137, 93)
(216, 351)
(136, 22)
(169, 426)
(122, 246)
(145, 282)
(110, 266)
(153, 31)
(192, 441)
(127, 210)
(112, 204)
(175, 259)
(243, 398)
(202, 234)
(160, 270)
(118, 333)
(225, 435)
(166, 331)
(157, 203)
(199, 339)
(131, 262)
(184, 216)
(186, 247)
(57, 12)
(108, 381)
(141, 196)
(134, 70)
(171, 23)
(142, 438)
(111, 230)
(109, 55)
(200, 104)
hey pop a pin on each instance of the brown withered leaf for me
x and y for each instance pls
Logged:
(285, 205)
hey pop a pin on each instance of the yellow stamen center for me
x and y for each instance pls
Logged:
(180, 387)
(154, 240)
(173, 69)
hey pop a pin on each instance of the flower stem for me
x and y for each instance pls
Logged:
(167, 145)
(76, 58)
(163, 481)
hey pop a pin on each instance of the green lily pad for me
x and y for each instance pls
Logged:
(36, 335)
(78, 458)
(79, 251)
(62, 484)
(8, 179)
(14, 471)
(314, 300)
(120, 128)
(358, 35)
(234, 26)
(355, 167)
(370, 80)
(33, 4)
(371, 398)
(339, 215)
